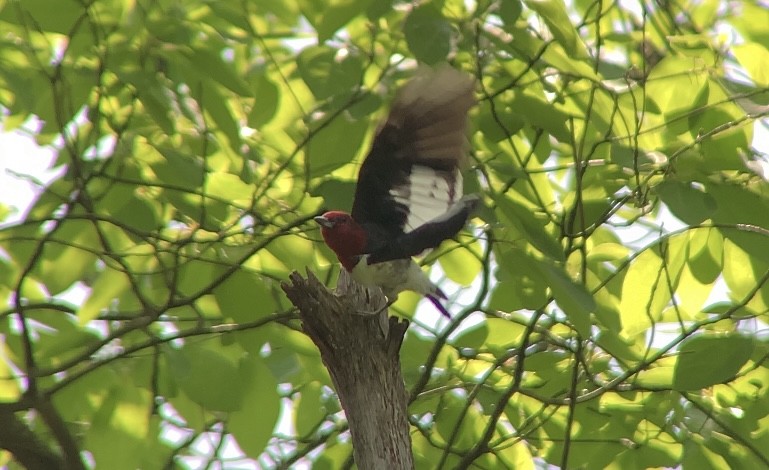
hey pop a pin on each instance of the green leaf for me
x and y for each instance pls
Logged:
(676, 93)
(413, 352)
(466, 432)
(533, 228)
(334, 456)
(245, 297)
(461, 264)
(688, 203)
(293, 253)
(118, 432)
(706, 360)
(543, 115)
(520, 284)
(656, 377)
(472, 337)
(503, 335)
(698, 456)
(253, 424)
(108, 286)
(207, 377)
(742, 271)
(10, 389)
(365, 104)
(232, 13)
(644, 293)
(40, 14)
(283, 337)
(750, 23)
(228, 187)
(428, 34)
(178, 169)
(68, 341)
(328, 16)
(706, 254)
(324, 75)
(309, 415)
(335, 144)
(607, 252)
(128, 204)
(336, 194)
(219, 109)
(553, 13)
(573, 298)
(740, 205)
(155, 102)
(196, 275)
(209, 64)
(69, 258)
(510, 11)
(266, 101)
(499, 124)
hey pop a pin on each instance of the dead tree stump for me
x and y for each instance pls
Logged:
(361, 352)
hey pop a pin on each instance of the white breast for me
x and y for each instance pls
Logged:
(393, 277)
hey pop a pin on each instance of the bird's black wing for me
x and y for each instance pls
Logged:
(411, 175)
(428, 235)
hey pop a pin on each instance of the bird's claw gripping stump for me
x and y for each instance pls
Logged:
(377, 304)
(321, 305)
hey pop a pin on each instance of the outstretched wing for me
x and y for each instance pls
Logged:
(411, 175)
(428, 235)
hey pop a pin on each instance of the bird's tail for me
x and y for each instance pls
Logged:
(434, 298)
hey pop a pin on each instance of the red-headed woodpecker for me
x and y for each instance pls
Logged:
(409, 193)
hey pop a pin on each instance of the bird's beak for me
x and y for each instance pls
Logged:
(324, 222)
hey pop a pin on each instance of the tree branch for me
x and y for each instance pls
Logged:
(27, 448)
(361, 352)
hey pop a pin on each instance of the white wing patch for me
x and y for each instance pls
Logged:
(427, 195)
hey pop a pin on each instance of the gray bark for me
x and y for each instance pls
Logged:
(361, 352)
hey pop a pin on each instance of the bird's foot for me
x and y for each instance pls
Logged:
(380, 314)
(377, 311)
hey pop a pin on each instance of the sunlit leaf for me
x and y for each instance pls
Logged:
(45, 17)
(531, 226)
(328, 16)
(210, 64)
(503, 335)
(69, 258)
(520, 284)
(120, 428)
(644, 293)
(266, 101)
(253, 424)
(706, 360)
(461, 264)
(326, 75)
(472, 337)
(202, 372)
(9, 388)
(428, 34)
(553, 12)
(328, 150)
(244, 297)
(308, 414)
(573, 298)
(107, 287)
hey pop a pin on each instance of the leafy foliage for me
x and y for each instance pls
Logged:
(619, 268)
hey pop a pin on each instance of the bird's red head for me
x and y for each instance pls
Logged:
(343, 235)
